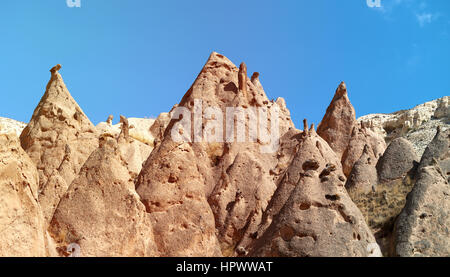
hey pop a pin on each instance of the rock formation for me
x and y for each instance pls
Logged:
(101, 211)
(311, 213)
(363, 177)
(22, 230)
(193, 189)
(380, 192)
(139, 129)
(398, 159)
(58, 123)
(225, 173)
(337, 125)
(417, 125)
(422, 228)
(345, 136)
(9, 125)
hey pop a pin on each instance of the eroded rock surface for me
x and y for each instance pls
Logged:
(422, 228)
(202, 195)
(22, 230)
(345, 136)
(59, 138)
(101, 211)
(311, 213)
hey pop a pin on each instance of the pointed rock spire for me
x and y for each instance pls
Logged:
(342, 132)
(181, 180)
(56, 122)
(338, 122)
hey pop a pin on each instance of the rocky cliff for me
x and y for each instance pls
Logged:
(225, 173)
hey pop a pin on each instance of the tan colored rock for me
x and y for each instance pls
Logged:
(22, 230)
(363, 177)
(8, 126)
(101, 211)
(417, 125)
(138, 129)
(189, 187)
(311, 213)
(382, 199)
(398, 159)
(360, 137)
(57, 123)
(422, 228)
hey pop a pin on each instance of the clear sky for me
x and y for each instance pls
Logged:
(139, 57)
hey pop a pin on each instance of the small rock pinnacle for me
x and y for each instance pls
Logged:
(55, 69)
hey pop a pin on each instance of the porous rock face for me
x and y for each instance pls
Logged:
(380, 192)
(311, 213)
(363, 177)
(59, 138)
(345, 136)
(422, 228)
(101, 210)
(22, 231)
(201, 195)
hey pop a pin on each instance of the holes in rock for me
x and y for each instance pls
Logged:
(287, 233)
(305, 206)
(172, 179)
(231, 87)
(334, 197)
(310, 165)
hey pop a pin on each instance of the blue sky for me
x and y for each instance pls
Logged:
(139, 57)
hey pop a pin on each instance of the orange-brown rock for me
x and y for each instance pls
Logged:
(360, 137)
(363, 177)
(101, 211)
(337, 125)
(340, 130)
(58, 124)
(22, 230)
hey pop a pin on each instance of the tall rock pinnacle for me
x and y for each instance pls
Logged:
(189, 187)
(345, 136)
(337, 124)
(58, 122)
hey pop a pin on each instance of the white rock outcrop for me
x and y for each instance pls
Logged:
(418, 125)
(8, 125)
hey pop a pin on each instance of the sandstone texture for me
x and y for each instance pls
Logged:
(101, 211)
(8, 126)
(422, 229)
(398, 159)
(202, 195)
(22, 230)
(417, 125)
(345, 136)
(311, 213)
(59, 138)
(225, 173)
